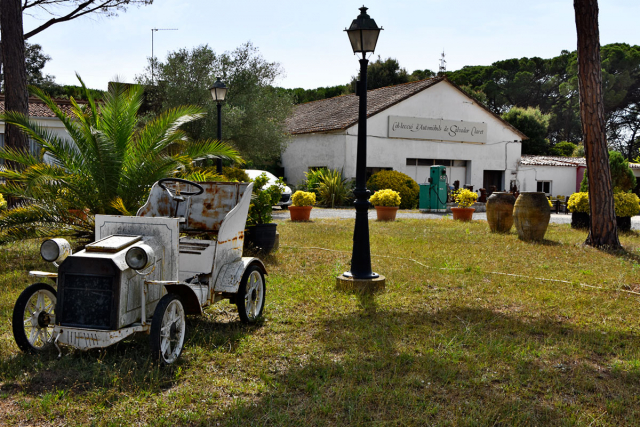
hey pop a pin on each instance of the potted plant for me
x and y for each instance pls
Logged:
(261, 231)
(578, 205)
(386, 203)
(303, 201)
(465, 198)
(626, 206)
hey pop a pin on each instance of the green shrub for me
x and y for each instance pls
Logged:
(303, 198)
(385, 198)
(622, 177)
(263, 199)
(333, 189)
(396, 181)
(232, 174)
(3, 202)
(312, 180)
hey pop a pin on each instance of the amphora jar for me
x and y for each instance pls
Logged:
(500, 211)
(531, 214)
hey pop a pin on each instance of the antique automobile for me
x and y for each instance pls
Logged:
(143, 274)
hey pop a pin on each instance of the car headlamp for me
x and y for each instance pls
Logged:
(140, 257)
(55, 250)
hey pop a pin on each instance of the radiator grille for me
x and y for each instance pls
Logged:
(88, 301)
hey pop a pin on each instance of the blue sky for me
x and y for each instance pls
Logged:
(307, 38)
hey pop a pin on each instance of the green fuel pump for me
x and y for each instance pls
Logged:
(433, 195)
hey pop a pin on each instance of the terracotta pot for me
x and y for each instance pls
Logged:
(463, 214)
(531, 214)
(500, 211)
(300, 213)
(386, 213)
(580, 220)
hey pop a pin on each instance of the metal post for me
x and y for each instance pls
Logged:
(152, 64)
(361, 255)
(219, 160)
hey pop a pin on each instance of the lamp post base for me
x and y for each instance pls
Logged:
(349, 284)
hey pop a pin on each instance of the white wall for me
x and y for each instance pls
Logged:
(54, 125)
(442, 101)
(563, 178)
(312, 150)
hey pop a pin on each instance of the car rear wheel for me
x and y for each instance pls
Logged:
(33, 318)
(251, 294)
(168, 329)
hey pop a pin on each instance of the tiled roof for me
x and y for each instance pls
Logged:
(38, 109)
(529, 160)
(552, 161)
(342, 111)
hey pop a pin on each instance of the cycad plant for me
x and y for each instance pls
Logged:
(106, 167)
(333, 189)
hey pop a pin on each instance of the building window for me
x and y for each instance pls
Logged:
(432, 162)
(545, 187)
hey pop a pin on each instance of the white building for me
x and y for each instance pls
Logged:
(43, 116)
(556, 176)
(409, 128)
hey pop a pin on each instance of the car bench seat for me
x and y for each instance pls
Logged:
(203, 213)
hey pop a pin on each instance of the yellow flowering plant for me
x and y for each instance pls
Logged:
(303, 198)
(385, 198)
(465, 198)
(3, 202)
(626, 204)
(579, 202)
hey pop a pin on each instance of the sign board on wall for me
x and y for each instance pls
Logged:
(436, 129)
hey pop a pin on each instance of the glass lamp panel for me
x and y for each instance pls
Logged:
(370, 38)
(356, 40)
(221, 93)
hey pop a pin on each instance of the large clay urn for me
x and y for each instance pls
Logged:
(500, 211)
(531, 214)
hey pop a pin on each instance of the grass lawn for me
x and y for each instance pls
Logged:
(474, 329)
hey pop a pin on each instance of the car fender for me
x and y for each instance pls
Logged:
(230, 275)
(187, 296)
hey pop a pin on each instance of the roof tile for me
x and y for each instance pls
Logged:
(38, 109)
(342, 111)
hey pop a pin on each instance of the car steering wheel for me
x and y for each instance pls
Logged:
(183, 181)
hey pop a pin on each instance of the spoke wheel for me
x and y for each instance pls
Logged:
(251, 294)
(33, 318)
(168, 329)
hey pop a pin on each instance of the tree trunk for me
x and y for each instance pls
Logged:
(603, 231)
(15, 69)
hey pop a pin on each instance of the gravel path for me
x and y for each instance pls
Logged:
(316, 213)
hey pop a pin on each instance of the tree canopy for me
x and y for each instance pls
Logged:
(254, 112)
(552, 86)
(532, 123)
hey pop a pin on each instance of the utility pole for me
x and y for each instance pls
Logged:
(152, 57)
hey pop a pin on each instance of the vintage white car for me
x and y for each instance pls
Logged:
(141, 276)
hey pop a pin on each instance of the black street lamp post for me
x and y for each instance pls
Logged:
(218, 93)
(363, 35)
